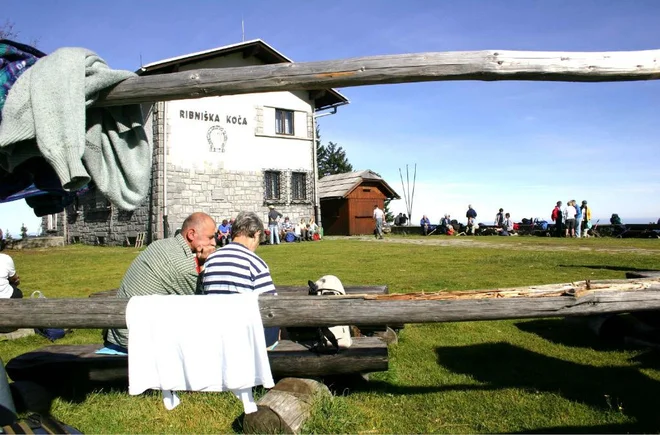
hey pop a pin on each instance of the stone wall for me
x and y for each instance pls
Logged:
(93, 221)
(35, 242)
(223, 194)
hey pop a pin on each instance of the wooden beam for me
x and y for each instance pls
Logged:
(377, 70)
(556, 300)
(283, 290)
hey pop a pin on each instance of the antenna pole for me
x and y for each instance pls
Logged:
(403, 186)
(413, 192)
(243, 27)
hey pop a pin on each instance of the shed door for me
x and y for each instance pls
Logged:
(363, 213)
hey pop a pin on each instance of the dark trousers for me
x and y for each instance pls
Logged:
(559, 228)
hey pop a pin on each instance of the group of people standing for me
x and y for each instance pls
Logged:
(572, 220)
(279, 229)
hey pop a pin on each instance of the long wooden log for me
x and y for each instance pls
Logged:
(377, 70)
(284, 290)
(79, 364)
(556, 300)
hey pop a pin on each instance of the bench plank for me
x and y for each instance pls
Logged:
(78, 365)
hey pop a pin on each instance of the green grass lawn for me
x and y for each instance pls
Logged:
(538, 375)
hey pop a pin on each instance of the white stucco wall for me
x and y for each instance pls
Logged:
(237, 133)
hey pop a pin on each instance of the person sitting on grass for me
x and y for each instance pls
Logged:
(298, 231)
(425, 223)
(312, 229)
(9, 279)
(223, 233)
(287, 227)
(506, 228)
(304, 231)
(169, 266)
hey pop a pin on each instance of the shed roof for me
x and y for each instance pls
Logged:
(323, 99)
(341, 185)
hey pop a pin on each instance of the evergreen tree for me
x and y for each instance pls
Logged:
(321, 153)
(330, 158)
(334, 161)
(389, 216)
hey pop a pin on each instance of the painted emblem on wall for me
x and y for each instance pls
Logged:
(216, 136)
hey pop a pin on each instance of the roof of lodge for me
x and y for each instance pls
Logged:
(341, 185)
(257, 48)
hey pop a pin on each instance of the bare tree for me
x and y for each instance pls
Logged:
(8, 31)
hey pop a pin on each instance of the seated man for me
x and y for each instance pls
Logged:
(169, 266)
(237, 269)
(425, 223)
(223, 233)
(304, 231)
(287, 227)
(445, 224)
(9, 279)
(506, 227)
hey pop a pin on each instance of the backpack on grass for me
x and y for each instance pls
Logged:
(51, 334)
(323, 339)
(38, 424)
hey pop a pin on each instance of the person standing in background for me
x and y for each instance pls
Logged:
(578, 219)
(379, 217)
(569, 219)
(273, 218)
(557, 219)
(586, 218)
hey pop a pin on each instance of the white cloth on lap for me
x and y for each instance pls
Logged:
(194, 343)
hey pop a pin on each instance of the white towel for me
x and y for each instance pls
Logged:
(197, 343)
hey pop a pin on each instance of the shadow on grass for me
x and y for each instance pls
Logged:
(605, 267)
(572, 332)
(604, 428)
(345, 385)
(604, 388)
(603, 333)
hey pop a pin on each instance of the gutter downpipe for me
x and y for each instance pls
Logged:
(166, 225)
(317, 201)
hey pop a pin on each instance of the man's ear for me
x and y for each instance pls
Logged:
(189, 235)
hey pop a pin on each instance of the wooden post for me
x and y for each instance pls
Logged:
(484, 65)
(286, 407)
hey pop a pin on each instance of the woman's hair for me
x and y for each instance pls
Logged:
(247, 223)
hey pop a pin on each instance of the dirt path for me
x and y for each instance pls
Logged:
(474, 242)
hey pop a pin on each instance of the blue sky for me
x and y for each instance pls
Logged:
(517, 145)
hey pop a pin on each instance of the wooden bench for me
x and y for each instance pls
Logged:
(78, 366)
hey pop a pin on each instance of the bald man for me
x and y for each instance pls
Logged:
(167, 267)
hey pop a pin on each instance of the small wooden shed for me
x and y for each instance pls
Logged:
(347, 202)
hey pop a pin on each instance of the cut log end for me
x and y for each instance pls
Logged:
(286, 407)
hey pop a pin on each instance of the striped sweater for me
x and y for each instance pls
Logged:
(236, 269)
